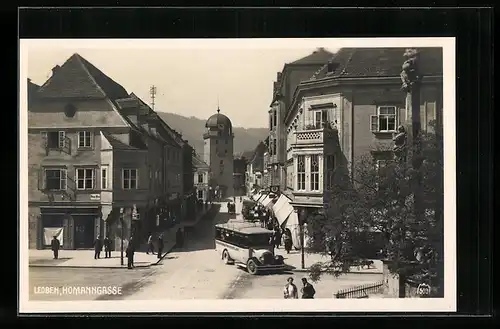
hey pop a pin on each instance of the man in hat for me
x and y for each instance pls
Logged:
(151, 247)
(107, 247)
(55, 245)
(129, 252)
(307, 290)
(97, 247)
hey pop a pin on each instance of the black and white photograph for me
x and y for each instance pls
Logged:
(205, 175)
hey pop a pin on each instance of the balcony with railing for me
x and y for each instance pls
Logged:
(314, 135)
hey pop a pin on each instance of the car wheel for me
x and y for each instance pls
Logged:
(251, 267)
(225, 256)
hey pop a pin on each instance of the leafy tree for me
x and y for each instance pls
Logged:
(381, 198)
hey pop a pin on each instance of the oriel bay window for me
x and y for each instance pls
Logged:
(129, 179)
(85, 178)
(314, 172)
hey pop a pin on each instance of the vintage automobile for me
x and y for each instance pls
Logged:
(248, 246)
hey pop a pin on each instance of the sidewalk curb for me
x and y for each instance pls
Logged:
(100, 267)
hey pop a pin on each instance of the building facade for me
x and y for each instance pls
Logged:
(201, 179)
(95, 154)
(283, 91)
(255, 169)
(239, 176)
(218, 154)
(350, 108)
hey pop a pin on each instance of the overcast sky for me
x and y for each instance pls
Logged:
(188, 78)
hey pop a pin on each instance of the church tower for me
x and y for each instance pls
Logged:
(218, 153)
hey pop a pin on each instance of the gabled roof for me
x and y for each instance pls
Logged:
(77, 77)
(319, 56)
(379, 62)
(119, 145)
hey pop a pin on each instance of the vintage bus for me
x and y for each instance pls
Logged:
(247, 245)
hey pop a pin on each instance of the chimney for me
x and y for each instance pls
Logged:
(55, 68)
(278, 77)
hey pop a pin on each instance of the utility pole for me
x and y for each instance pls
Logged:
(152, 92)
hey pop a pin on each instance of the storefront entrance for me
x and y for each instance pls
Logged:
(84, 231)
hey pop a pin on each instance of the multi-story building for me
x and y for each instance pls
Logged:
(349, 108)
(283, 91)
(95, 155)
(255, 168)
(201, 179)
(239, 174)
(218, 154)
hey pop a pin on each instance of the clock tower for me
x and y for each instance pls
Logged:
(218, 153)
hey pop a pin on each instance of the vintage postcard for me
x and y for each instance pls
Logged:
(237, 175)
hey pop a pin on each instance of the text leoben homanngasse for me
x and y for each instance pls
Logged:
(77, 290)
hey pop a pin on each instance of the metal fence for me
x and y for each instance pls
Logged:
(360, 291)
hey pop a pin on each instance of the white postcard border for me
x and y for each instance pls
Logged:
(446, 304)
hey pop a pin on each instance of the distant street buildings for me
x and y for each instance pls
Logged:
(101, 161)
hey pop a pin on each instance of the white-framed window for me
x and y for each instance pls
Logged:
(56, 179)
(301, 172)
(314, 172)
(85, 178)
(54, 139)
(320, 117)
(200, 194)
(104, 177)
(385, 120)
(84, 139)
(129, 179)
(275, 118)
(200, 178)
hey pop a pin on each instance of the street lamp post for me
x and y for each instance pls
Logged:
(302, 215)
(121, 248)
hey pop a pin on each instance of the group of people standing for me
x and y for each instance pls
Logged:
(291, 292)
(281, 236)
(99, 244)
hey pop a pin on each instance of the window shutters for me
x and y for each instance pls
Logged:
(373, 123)
(62, 139)
(94, 177)
(43, 136)
(41, 179)
(64, 179)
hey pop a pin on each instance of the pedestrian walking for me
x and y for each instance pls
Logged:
(151, 246)
(55, 245)
(179, 238)
(307, 290)
(277, 237)
(290, 291)
(160, 245)
(287, 240)
(97, 247)
(107, 247)
(129, 253)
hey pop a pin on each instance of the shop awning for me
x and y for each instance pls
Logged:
(266, 202)
(282, 209)
(262, 197)
(255, 197)
(292, 223)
